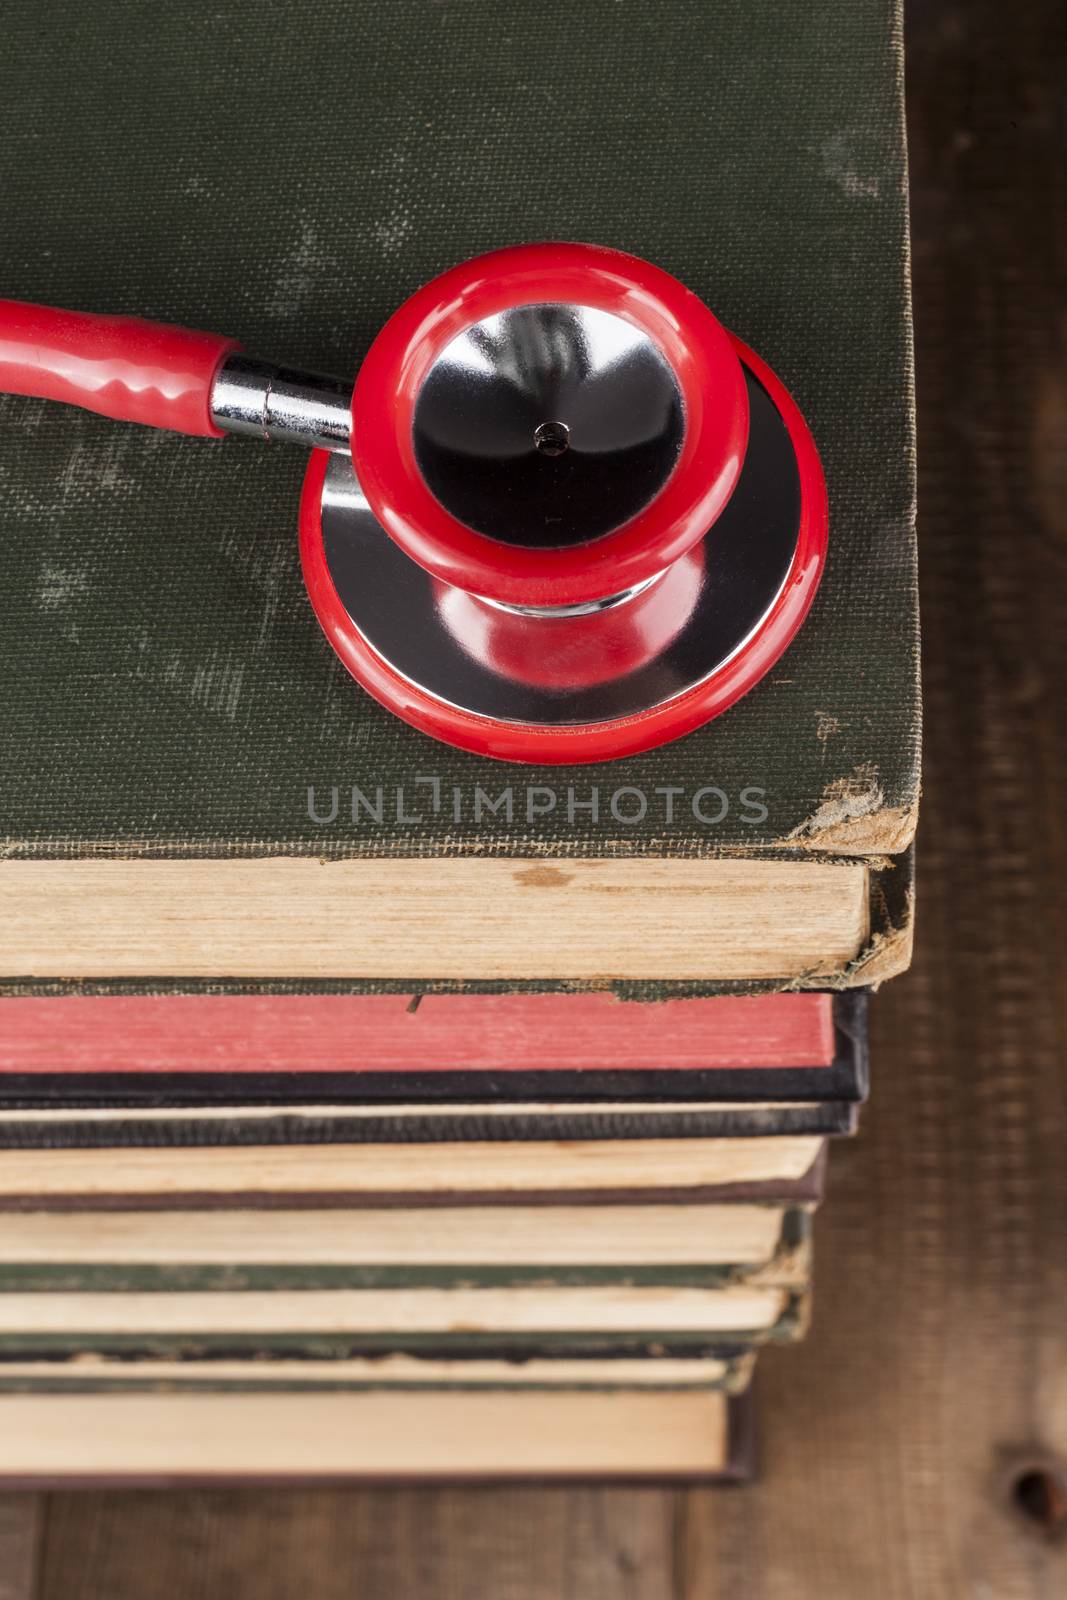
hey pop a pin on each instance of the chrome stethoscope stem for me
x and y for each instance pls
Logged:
(264, 401)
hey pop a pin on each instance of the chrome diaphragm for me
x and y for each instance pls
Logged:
(548, 425)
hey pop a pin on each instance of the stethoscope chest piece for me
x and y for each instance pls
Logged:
(606, 518)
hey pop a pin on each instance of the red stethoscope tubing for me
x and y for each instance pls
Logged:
(121, 367)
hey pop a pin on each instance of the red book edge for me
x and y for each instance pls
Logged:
(391, 1033)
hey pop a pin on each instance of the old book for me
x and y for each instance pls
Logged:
(622, 1288)
(441, 1171)
(95, 1129)
(444, 917)
(725, 1067)
(269, 1346)
(194, 791)
(129, 1051)
(623, 1434)
(734, 1311)
(805, 1190)
(319, 1249)
(88, 1372)
(108, 1305)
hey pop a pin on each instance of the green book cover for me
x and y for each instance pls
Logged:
(788, 1265)
(653, 1343)
(290, 178)
(262, 1371)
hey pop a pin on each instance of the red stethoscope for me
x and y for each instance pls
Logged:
(563, 516)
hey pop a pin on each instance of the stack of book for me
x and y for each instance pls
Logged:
(521, 1234)
(368, 1107)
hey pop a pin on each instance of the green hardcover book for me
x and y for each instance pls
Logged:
(144, 1253)
(195, 793)
(623, 1325)
(463, 1309)
(260, 1371)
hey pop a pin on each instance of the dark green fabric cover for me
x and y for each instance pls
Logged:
(288, 174)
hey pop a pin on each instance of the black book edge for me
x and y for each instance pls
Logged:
(521, 1127)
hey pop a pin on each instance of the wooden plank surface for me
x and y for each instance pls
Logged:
(935, 1376)
(274, 1545)
(20, 1530)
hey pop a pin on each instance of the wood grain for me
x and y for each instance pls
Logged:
(511, 1544)
(20, 1531)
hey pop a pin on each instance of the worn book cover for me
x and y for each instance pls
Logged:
(259, 1371)
(784, 1259)
(780, 1317)
(160, 1053)
(427, 1127)
(168, 696)
(777, 1170)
